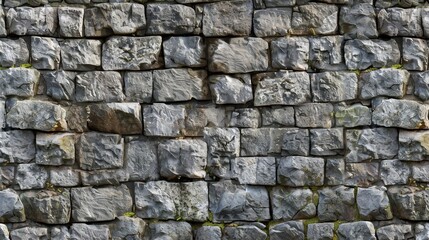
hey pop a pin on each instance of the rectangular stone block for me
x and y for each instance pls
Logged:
(297, 171)
(27, 21)
(170, 19)
(19, 82)
(163, 120)
(81, 54)
(254, 170)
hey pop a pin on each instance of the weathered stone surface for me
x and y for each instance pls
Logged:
(170, 19)
(4, 232)
(231, 89)
(99, 86)
(326, 53)
(84, 231)
(261, 141)
(194, 201)
(45, 53)
(401, 113)
(263, 22)
(7, 176)
(352, 116)
(358, 21)
(184, 52)
(367, 144)
(292, 203)
(81, 54)
(114, 18)
(254, 170)
(170, 230)
(32, 21)
(420, 171)
(70, 21)
(11, 207)
(138, 86)
(50, 117)
(334, 171)
(400, 22)
(100, 204)
(399, 231)
(297, 171)
(282, 88)
(100, 151)
(3, 31)
(361, 174)
(141, 158)
(200, 115)
(20, 82)
(2, 115)
(356, 230)
(104, 177)
(336, 203)
(287, 230)
(314, 115)
(64, 177)
(30, 233)
(60, 85)
(245, 118)
(243, 232)
(121, 118)
(422, 231)
(278, 116)
(420, 80)
(326, 142)
(49, 207)
(415, 54)
(59, 233)
(229, 202)
(413, 145)
(290, 53)
(398, 3)
(409, 203)
(128, 228)
(18, 3)
(229, 18)
(17, 146)
(14, 52)
(425, 21)
(182, 158)
(320, 231)
(387, 82)
(362, 54)
(55, 149)
(373, 203)
(314, 18)
(296, 142)
(31, 176)
(334, 86)
(394, 172)
(163, 120)
(132, 53)
(76, 118)
(208, 232)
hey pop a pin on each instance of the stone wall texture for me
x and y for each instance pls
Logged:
(214, 119)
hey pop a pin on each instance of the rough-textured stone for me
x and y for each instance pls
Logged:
(170, 230)
(59, 233)
(29, 233)
(200, 115)
(100, 151)
(245, 118)
(60, 85)
(373, 203)
(261, 141)
(362, 54)
(14, 52)
(84, 231)
(31, 176)
(394, 171)
(278, 116)
(99, 86)
(367, 144)
(100, 204)
(297, 171)
(70, 21)
(334, 171)
(282, 88)
(128, 228)
(409, 203)
(81, 54)
(231, 89)
(76, 118)
(32, 21)
(141, 158)
(420, 80)
(182, 158)
(413, 145)
(401, 113)
(400, 22)
(395, 231)
(263, 22)
(387, 82)
(20, 82)
(11, 207)
(290, 53)
(398, 3)
(358, 21)
(421, 231)
(55, 149)
(121, 118)
(138, 86)
(228, 18)
(49, 207)
(420, 171)
(64, 177)
(314, 18)
(292, 203)
(17, 146)
(288, 230)
(334, 86)
(254, 170)
(336, 203)
(326, 53)
(2, 115)
(208, 232)
(104, 177)
(244, 232)
(352, 116)
(163, 120)
(356, 230)
(229, 201)
(326, 142)
(184, 52)
(45, 53)
(170, 19)
(3, 31)
(320, 231)
(4, 232)
(314, 115)
(132, 53)
(361, 174)
(7, 176)
(425, 21)
(415, 54)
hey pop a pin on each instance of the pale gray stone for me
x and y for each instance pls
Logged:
(170, 230)
(420, 81)
(132, 53)
(297, 171)
(425, 21)
(254, 170)
(373, 203)
(14, 52)
(326, 53)
(296, 142)
(81, 54)
(208, 232)
(200, 115)
(93, 232)
(170, 19)
(279, 3)
(182, 158)
(60, 84)
(362, 54)
(99, 86)
(100, 204)
(50, 207)
(395, 231)
(64, 177)
(356, 230)
(336, 203)
(31, 176)
(70, 21)
(184, 52)
(107, 19)
(413, 145)
(20, 82)
(314, 115)
(194, 205)
(400, 22)
(415, 54)
(2, 115)
(288, 230)
(320, 231)
(388, 82)
(27, 233)
(292, 203)
(128, 228)
(3, 31)
(17, 146)
(278, 116)
(238, 55)
(401, 113)
(229, 202)
(76, 118)
(352, 116)
(422, 231)
(420, 171)
(261, 141)
(368, 144)
(272, 22)
(282, 88)
(45, 53)
(7, 176)
(334, 171)
(32, 21)
(231, 89)
(398, 3)
(361, 174)
(358, 21)
(141, 158)
(138, 86)
(325, 142)
(314, 18)
(18, 3)
(334, 86)
(245, 118)
(104, 177)
(290, 53)
(227, 18)
(121, 118)
(59, 233)
(164, 120)
(4, 232)
(11, 207)
(55, 149)
(409, 203)
(394, 172)
(243, 233)
(50, 117)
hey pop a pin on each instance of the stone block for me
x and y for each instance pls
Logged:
(314, 115)
(45, 53)
(163, 120)
(11, 207)
(292, 203)
(81, 54)
(296, 142)
(353, 116)
(373, 203)
(394, 172)
(409, 203)
(19, 82)
(335, 171)
(400, 22)
(185, 52)
(244, 232)
(70, 21)
(320, 231)
(138, 86)
(17, 146)
(254, 170)
(121, 118)
(334, 86)
(290, 53)
(325, 142)
(358, 21)
(326, 53)
(356, 230)
(288, 230)
(415, 54)
(28, 21)
(315, 18)
(278, 116)
(60, 85)
(231, 89)
(31, 176)
(141, 158)
(14, 52)
(271, 22)
(387, 82)
(245, 118)
(170, 19)
(402, 231)
(361, 174)
(64, 177)
(99, 86)
(296, 171)
(55, 149)
(336, 203)
(85, 231)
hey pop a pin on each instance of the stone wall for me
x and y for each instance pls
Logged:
(211, 119)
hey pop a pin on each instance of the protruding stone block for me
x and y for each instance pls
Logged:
(70, 21)
(55, 149)
(170, 19)
(14, 52)
(184, 52)
(292, 203)
(334, 86)
(287, 230)
(393, 231)
(31, 176)
(358, 21)
(254, 170)
(314, 115)
(394, 172)
(11, 207)
(17, 146)
(121, 118)
(290, 53)
(336, 203)
(400, 22)
(315, 18)
(413, 145)
(20, 82)
(415, 54)
(32, 21)
(99, 86)
(320, 231)
(297, 171)
(60, 85)
(326, 142)
(163, 120)
(387, 82)
(45, 53)
(356, 230)
(81, 54)
(409, 203)
(231, 89)
(373, 203)
(271, 22)
(352, 116)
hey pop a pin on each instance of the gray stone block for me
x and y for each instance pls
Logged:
(99, 86)
(358, 21)
(20, 82)
(163, 120)
(138, 86)
(326, 53)
(141, 158)
(373, 203)
(7, 176)
(4, 232)
(394, 172)
(386, 82)
(352, 116)
(17, 146)
(104, 177)
(292, 203)
(128, 227)
(14, 52)
(121, 118)
(245, 118)
(412, 145)
(45, 53)
(425, 21)
(11, 207)
(314, 115)
(170, 230)
(409, 203)
(272, 22)
(415, 54)
(421, 231)
(31, 176)
(170, 19)
(314, 18)
(81, 54)
(243, 233)
(254, 170)
(320, 231)
(290, 53)
(400, 22)
(201, 115)
(325, 142)
(64, 177)
(356, 230)
(60, 85)
(27, 21)
(361, 174)
(336, 203)
(334, 86)
(401, 231)
(231, 89)
(70, 21)
(288, 230)
(420, 171)
(278, 116)
(184, 52)
(208, 232)
(334, 171)
(76, 118)
(261, 141)
(55, 149)
(84, 231)
(29, 233)
(296, 142)
(3, 31)
(296, 171)
(420, 81)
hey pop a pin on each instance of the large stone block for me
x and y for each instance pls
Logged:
(278, 116)
(60, 85)
(99, 86)
(208, 232)
(20, 82)
(326, 142)
(415, 54)
(272, 22)
(358, 21)
(200, 115)
(413, 145)
(55, 149)
(11, 207)
(420, 171)
(31, 176)
(400, 22)
(394, 172)
(297, 171)
(326, 53)
(356, 230)
(254, 170)
(64, 177)
(121, 118)
(292, 203)
(352, 116)
(104, 177)
(14, 52)
(163, 120)
(138, 86)
(315, 18)
(3, 31)
(314, 115)
(170, 230)
(32, 21)
(128, 227)
(387, 82)
(409, 203)
(373, 203)
(17, 146)
(170, 19)
(45, 53)
(296, 142)
(287, 230)
(7, 176)
(245, 118)
(290, 53)
(184, 52)
(336, 203)
(401, 231)
(81, 54)
(420, 81)
(261, 141)
(334, 86)
(320, 231)
(84, 231)
(231, 89)
(30, 233)
(244, 232)
(70, 21)
(141, 158)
